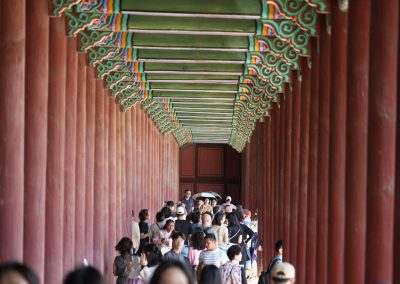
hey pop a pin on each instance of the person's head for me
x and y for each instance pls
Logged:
(232, 219)
(197, 240)
(228, 199)
(234, 253)
(180, 212)
(206, 219)
(124, 245)
(171, 205)
(188, 193)
(17, 273)
(169, 225)
(178, 240)
(219, 219)
(151, 254)
(206, 201)
(210, 242)
(198, 203)
(84, 275)
(239, 215)
(210, 274)
(144, 214)
(195, 217)
(171, 272)
(283, 272)
(160, 216)
(279, 247)
(166, 211)
(228, 209)
(215, 209)
(213, 202)
(247, 213)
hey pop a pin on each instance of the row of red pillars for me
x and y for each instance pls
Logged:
(72, 166)
(324, 169)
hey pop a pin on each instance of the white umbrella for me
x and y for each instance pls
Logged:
(216, 195)
(203, 195)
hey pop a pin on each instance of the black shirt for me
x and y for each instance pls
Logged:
(184, 227)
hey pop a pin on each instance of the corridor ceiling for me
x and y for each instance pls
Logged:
(205, 71)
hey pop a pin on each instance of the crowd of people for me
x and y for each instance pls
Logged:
(191, 241)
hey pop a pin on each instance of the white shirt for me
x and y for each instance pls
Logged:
(216, 257)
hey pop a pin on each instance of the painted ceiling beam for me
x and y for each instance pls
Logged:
(193, 15)
(193, 98)
(226, 82)
(196, 113)
(193, 72)
(191, 48)
(187, 32)
(178, 103)
(200, 61)
(194, 90)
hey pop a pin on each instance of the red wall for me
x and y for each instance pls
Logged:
(210, 167)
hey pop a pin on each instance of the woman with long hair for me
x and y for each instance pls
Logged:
(144, 229)
(163, 237)
(234, 229)
(197, 245)
(123, 262)
(149, 260)
(221, 230)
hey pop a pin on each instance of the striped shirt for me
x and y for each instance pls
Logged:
(216, 257)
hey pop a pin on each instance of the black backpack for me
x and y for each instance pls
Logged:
(266, 276)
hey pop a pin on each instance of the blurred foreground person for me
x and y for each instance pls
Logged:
(17, 273)
(283, 272)
(210, 274)
(84, 275)
(171, 272)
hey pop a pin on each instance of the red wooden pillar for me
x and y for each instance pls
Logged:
(396, 249)
(108, 252)
(129, 170)
(282, 158)
(267, 223)
(323, 155)
(396, 245)
(262, 232)
(290, 249)
(272, 182)
(146, 160)
(123, 220)
(337, 146)
(303, 172)
(118, 172)
(99, 173)
(140, 156)
(112, 235)
(12, 104)
(382, 140)
(70, 155)
(135, 185)
(37, 76)
(80, 176)
(276, 118)
(55, 153)
(356, 141)
(312, 168)
(90, 129)
(287, 165)
(138, 171)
